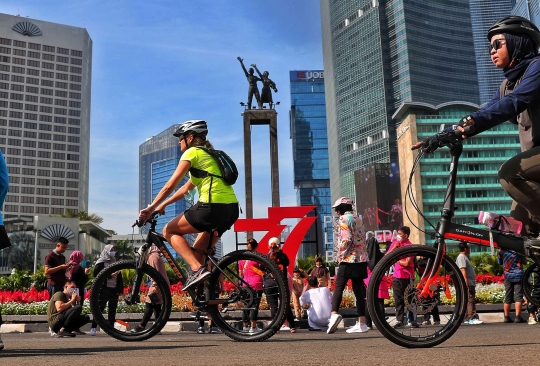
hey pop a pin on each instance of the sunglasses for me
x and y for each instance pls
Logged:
(497, 44)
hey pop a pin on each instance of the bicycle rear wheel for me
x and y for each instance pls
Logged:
(421, 331)
(104, 299)
(531, 284)
(233, 297)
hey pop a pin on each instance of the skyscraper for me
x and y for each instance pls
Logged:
(310, 153)
(379, 55)
(529, 9)
(45, 84)
(158, 159)
(483, 14)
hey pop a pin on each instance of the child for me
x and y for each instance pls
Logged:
(298, 286)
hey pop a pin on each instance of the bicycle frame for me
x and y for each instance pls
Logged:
(446, 229)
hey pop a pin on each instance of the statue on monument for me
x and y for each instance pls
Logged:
(266, 93)
(253, 89)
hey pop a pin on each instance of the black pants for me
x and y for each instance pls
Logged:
(252, 315)
(358, 289)
(148, 311)
(52, 289)
(380, 304)
(71, 319)
(272, 298)
(399, 285)
(108, 296)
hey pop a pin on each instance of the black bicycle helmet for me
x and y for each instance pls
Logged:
(196, 127)
(514, 24)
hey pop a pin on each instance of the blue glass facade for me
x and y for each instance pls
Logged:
(529, 9)
(158, 158)
(380, 54)
(310, 154)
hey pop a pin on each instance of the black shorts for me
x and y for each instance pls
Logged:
(513, 292)
(220, 216)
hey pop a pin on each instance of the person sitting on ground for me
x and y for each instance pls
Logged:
(513, 272)
(65, 316)
(319, 300)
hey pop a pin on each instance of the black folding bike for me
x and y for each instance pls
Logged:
(224, 296)
(430, 292)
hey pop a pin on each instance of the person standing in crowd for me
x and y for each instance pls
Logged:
(352, 256)
(113, 288)
(321, 273)
(4, 240)
(297, 288)
(154, 297)
(65, 316)
(513, 273)
(250, 272)
(270, 287)
(55, 267)
(470, 280)
(403, 276)
(319, 300)
(77, 273)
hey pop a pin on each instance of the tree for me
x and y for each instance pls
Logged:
(124, 250)
(112, 232)
(21, 253)
(81, 215)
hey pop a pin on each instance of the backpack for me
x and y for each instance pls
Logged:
(227, 167)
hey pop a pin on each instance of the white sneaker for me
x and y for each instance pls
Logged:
(92, 331)
(475, 321)
(245, 329)
(358, 328)
(215, 330)
(255, 330)
(426, 322)
(333, 323)
(52, 333)
(285, 327)
(532, 321)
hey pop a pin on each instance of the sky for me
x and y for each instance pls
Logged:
(157, 63)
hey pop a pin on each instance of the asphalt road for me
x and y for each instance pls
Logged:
(486, 344)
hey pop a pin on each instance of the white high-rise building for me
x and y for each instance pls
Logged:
(45, 84)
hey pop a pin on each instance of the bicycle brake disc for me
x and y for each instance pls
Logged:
(412, 298)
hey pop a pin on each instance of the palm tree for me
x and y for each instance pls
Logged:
(124, 250)
(21, 253)
(81, 215)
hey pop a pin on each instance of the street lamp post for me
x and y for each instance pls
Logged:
(36, 250)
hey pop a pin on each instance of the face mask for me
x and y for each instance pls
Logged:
(399, 238)
(112, 253)
(318, 265)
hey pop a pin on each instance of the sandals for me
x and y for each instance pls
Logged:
(293, 330)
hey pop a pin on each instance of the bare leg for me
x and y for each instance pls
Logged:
(506, 309)
(173, 232)
(518, 308)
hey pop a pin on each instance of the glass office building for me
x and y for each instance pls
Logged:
(310, 155)
(529, 9)
(478, 187)
(483, 14)
(379, 55)
(158, 158)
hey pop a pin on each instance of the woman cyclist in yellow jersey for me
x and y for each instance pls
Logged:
(217, 207)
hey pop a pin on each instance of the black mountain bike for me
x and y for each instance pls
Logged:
(224, 296)
(429, 292)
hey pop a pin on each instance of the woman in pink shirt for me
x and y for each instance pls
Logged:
(250, 272)
(403, 275)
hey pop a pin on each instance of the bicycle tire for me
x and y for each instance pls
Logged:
(98, 297)
(531, 284)
(228, 320)
(425, 335)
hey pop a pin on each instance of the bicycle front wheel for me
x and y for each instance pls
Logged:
(106, 303)
(418, 321)
(234, 303)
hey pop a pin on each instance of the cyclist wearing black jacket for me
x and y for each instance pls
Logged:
(514, 43)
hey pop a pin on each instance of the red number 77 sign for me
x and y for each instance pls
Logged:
(274, 228)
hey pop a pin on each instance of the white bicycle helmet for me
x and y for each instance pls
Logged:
(196, 127)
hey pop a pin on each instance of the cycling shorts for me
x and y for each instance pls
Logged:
(218, 216)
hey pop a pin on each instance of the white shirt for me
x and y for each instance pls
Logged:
(320, 306)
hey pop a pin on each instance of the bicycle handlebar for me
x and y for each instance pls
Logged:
(444, 138)
(140, 224)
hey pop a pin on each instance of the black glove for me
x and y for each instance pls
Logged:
(464, 120)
